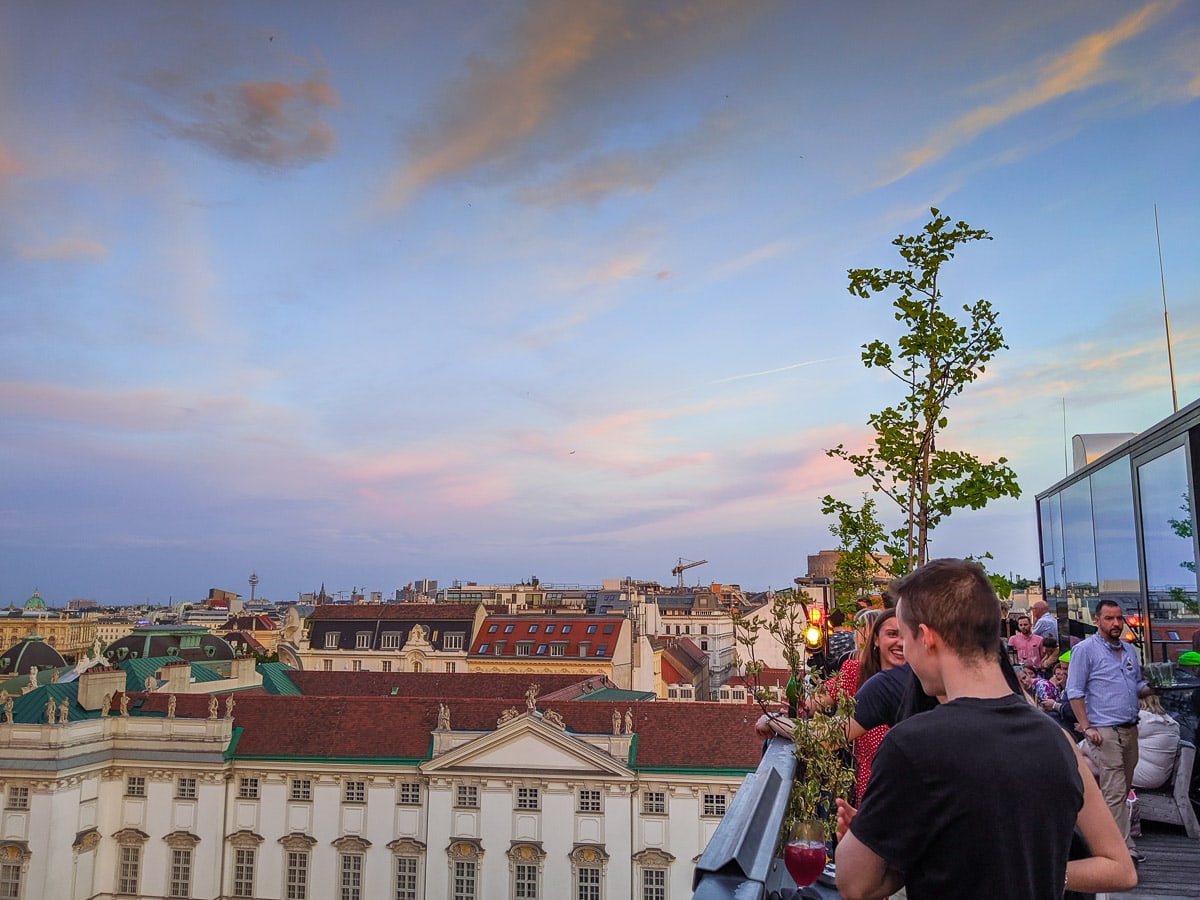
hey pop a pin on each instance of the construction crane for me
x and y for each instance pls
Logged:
(681, 565)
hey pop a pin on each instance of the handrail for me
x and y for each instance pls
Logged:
(739, 858)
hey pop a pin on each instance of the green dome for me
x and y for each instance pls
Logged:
(36, 601)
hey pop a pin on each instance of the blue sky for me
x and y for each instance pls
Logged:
(360, 293)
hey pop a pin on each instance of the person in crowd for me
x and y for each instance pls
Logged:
(1103, 687)
(973, 837)
(1050, 692)
(1050, 653)
(1026, 678)
(1044, 622)
(1028, 646)
(1158, 742)
(883, 649)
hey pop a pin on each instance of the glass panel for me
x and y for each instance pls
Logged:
(1079, 550)
(1052, 554)
(1116, 535)
(1168, 524)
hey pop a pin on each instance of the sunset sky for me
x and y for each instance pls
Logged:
(357, 293)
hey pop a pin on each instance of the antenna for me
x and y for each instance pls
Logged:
(1066, 467)
(1166, 319)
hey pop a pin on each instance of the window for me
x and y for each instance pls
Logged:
(362, 640)
(247, 788)
(350, 865)
(602, 650)
(243, 872)
(525, 882)
(483, 648)
(591, 629)
(386, 666)
(466, 796)
(492, 629)
(406, 878)
(410, 794)
(327, 665)
(508, 628)
(654, 803)
(533, 629)
(297, 875)
(1173, 635)
(588, 802)
(135, 786)
(129, 865)
(549, 629)
(354, 792)
(524, 648)
(356, 665)
(541, 650)
(300, 789)
(499, 648)
(452, 641)
(185, 788)
(704, 629)
(416, 667)
(566, 629)
(464, 880)
(739, 694)
(587, 882)
(450, 667)
(654, 884)
(608, 629)
(714, 805)
(704, 645)
(390, 640)
(10, 881)
(180, 884)
(17, 798)
(332, 638)
(558, 648)
(585, 648)
(527, 798)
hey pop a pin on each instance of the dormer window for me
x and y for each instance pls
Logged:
(331, 640)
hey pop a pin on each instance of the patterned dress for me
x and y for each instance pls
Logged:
(866, 744)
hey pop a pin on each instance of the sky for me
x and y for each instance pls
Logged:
(355, 294)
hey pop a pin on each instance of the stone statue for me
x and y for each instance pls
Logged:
(150, 684)
(54, 676)
(229, 707)
(212, 707)
(96, 648)
(125, 704)
(33, 674)
(616, 722)
(171, 706)
(507, 716)
(62, 711)
(443, 717)
(106, 704)
(8, 708)
(629, 721)
(531, 698)
(50, 712)
(550, 717)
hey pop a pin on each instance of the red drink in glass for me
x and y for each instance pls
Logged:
(805, 860)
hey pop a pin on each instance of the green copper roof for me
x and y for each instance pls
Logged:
(617, 695)
(275, 679)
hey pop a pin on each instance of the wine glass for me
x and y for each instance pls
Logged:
(804, 855)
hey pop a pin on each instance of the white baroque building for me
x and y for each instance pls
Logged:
(353, 797)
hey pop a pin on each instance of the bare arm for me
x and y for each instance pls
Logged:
(1110, 867)
(861, 874)
(1081, 722)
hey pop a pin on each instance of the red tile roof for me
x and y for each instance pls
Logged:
(702, 736)
(600, 633)
(437, 685)
(423, 612)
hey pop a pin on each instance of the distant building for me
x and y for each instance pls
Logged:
(70, 633)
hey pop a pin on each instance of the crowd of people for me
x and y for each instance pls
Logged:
(940, 698)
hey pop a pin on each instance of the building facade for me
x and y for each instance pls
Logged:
(1123, 527)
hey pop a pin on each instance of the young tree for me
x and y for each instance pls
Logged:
(935, 359)
(859, 536)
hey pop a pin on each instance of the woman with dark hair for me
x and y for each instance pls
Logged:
(882, 649)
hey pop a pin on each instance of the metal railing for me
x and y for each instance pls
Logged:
(739, 862)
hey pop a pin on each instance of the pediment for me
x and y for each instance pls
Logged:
(527, 745)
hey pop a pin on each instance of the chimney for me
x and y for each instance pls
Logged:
(176, 677)
(98, 681)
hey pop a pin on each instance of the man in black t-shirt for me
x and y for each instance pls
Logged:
(946, 811)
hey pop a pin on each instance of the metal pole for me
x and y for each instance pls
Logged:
(1166, 319)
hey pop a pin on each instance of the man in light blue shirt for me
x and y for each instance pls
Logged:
(1104, 682)
(1044, 622)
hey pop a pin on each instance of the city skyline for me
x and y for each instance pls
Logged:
(365, 294)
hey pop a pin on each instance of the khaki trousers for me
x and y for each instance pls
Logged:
(1116, 758)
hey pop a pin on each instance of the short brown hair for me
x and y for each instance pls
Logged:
(954, 598)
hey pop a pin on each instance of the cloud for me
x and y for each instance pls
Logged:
(63, 249)
(1083, 65)
(268, 123)
(565, 57)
